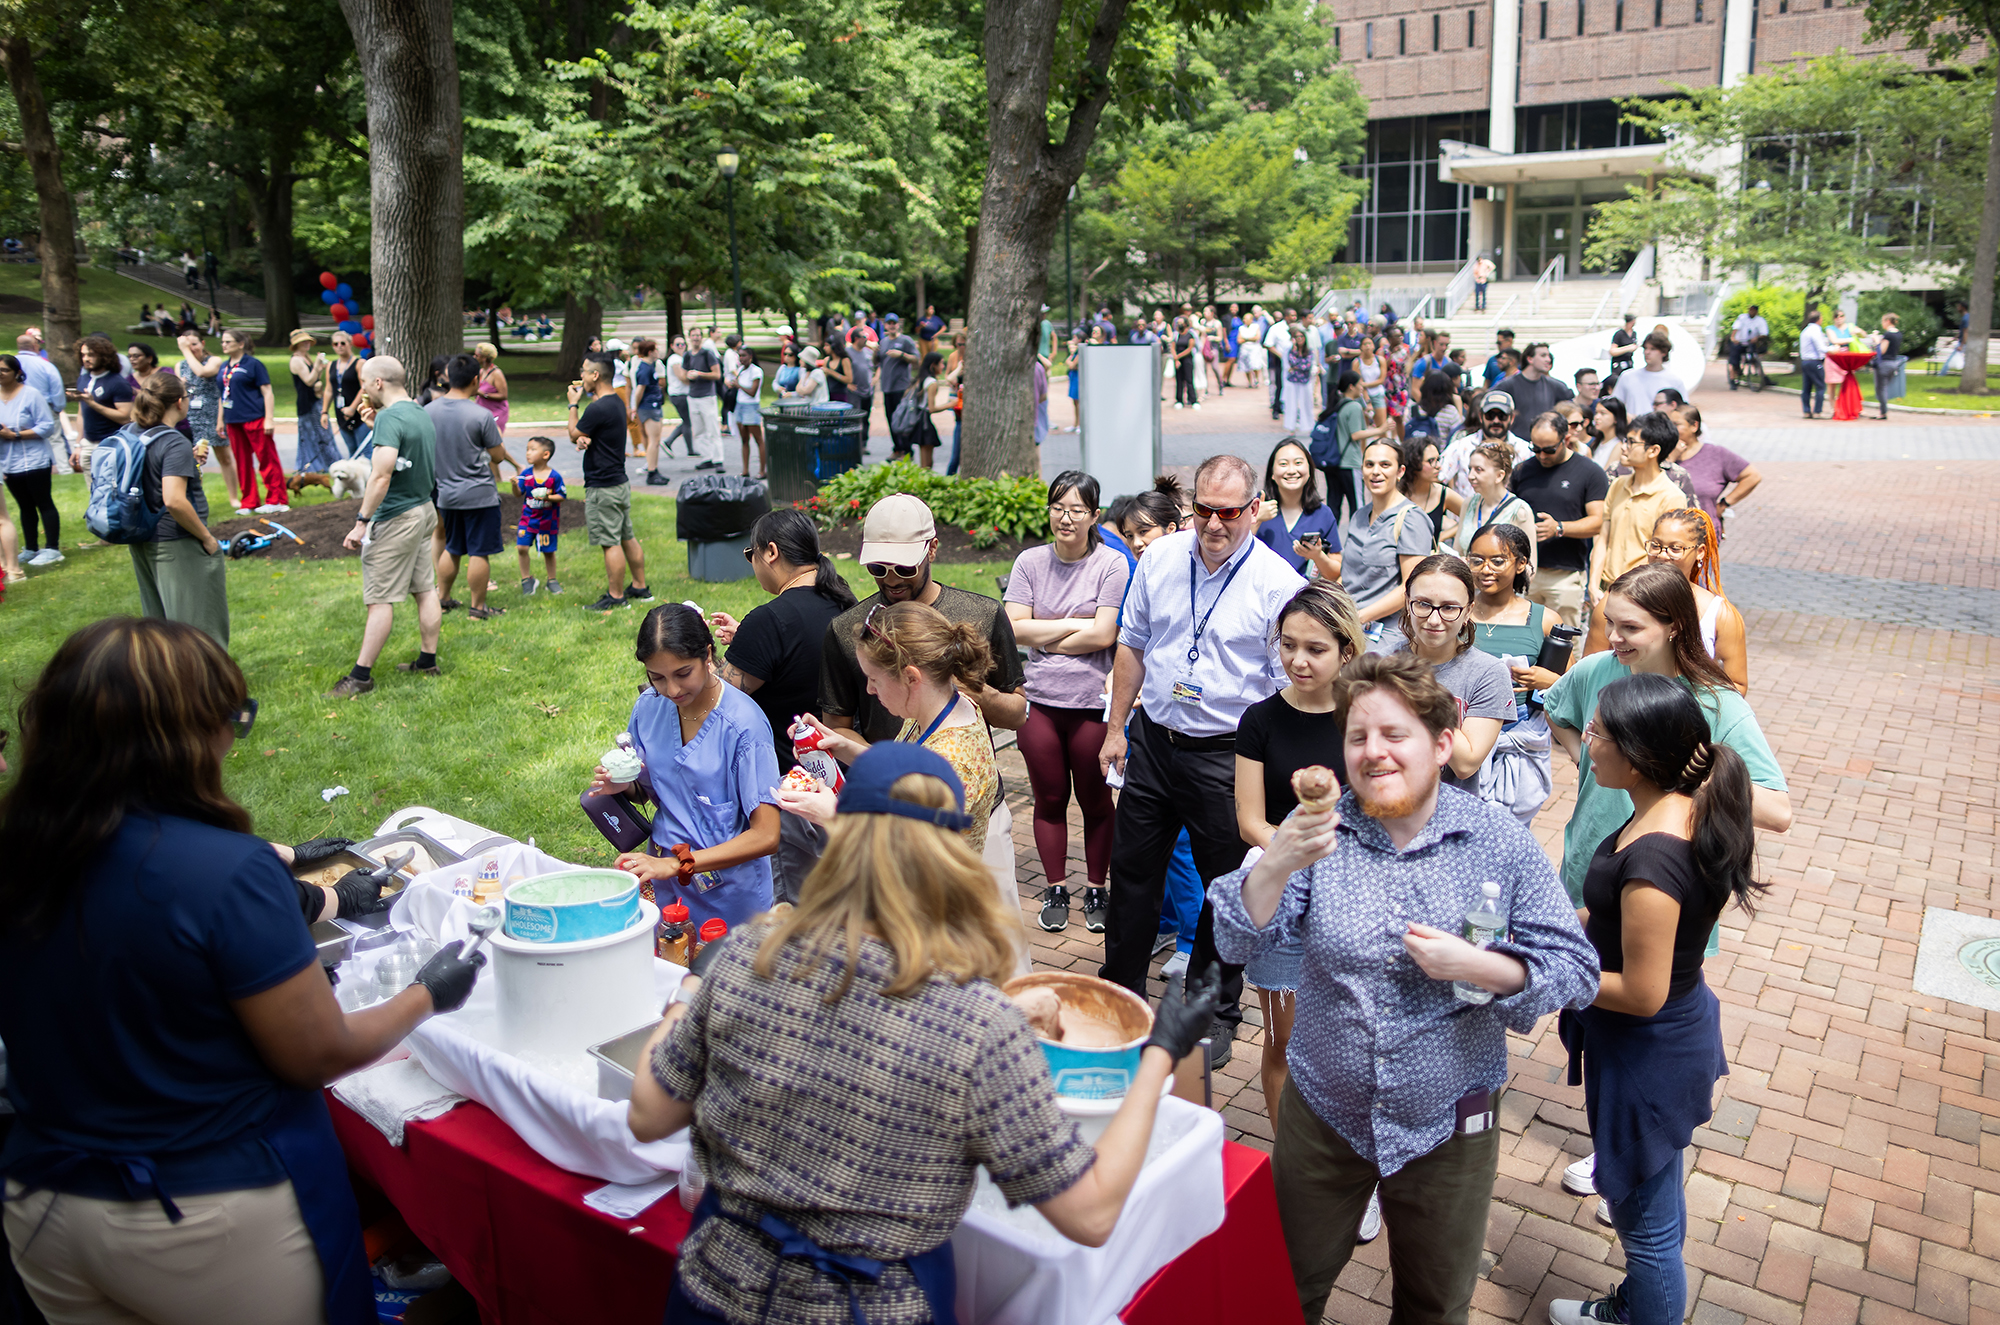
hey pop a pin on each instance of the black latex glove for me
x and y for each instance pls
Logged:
(1185, 1014)
(706, 957)
(449, 976)
(359, 894)
(319, 849)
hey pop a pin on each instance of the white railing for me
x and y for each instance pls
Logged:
(1506, 308)
(1628, 289)
(1550, 278)
(1711, 333)
(1458, 289)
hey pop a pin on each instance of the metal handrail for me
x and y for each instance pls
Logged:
(1551, 276)
(1597, 313)
(1711, 334)
(1458, 289)
(1506, 308)
(1636, 276)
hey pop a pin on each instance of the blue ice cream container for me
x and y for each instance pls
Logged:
(570, 905)
(1105, 1029)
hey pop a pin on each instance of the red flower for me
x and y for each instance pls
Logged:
(855, 504)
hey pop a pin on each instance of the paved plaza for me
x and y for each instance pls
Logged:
(1852, 1171)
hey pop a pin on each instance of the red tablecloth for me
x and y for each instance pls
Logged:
(1847, 401)
(515, 1232)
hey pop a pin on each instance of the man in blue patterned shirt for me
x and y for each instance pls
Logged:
(1395, 1074)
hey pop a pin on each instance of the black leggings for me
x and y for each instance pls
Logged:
(1342, 489)
(1184, 382)
(38, 507)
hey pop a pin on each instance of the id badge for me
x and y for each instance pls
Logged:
(707, 881)
(1186, 691)
(1477, 1112)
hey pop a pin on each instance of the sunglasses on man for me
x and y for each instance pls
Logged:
(881, 570)
(1206, 512)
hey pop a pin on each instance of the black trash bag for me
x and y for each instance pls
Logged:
(715, 507)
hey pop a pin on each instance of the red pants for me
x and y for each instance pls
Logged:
(254, 450)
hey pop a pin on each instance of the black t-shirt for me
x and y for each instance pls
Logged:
(1284, 740)
(1667, 863)
(779, 643)
(1562, 493)
(1619, 340)
(603, 421)
(109, 390)
(843, 690)
(1894, 348)
(1532, 399)
(170, 452)
(700, 361)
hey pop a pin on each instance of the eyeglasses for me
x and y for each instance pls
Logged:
(882, 569)
(1482, 563)
(1068, 513)
(243, 720)
(1445, 612)
(1220, 512)
(1674, 550)
(1590, 732)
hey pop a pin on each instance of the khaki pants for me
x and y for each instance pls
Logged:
(1561, 591)
(243, 1257)
(1434, 1208)
(180, 582)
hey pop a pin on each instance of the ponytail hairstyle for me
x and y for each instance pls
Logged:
(157, 397)
(1515, 540)
(1660, 729)
(899, 635)
(1664, 594)
(798, 545)
(678, 629)
(1708, 571)
(1085, 488)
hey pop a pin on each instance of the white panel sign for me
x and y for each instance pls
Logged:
(1119, 389)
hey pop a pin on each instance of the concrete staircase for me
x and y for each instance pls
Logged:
(1564, 312)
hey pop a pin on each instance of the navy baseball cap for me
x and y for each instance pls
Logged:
(866, 790)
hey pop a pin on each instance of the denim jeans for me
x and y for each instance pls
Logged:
(1652, 1225)
(359, 440)
(1812, 385)
(957, 429)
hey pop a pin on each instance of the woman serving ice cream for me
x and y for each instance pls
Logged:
(707, 762)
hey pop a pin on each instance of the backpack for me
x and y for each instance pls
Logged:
(118, 510)
(907, 423)
(1420, 424)
(1325, 446)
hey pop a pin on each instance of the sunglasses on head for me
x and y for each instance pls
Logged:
(868, 626)
(1219, 512)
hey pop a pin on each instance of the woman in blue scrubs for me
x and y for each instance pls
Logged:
(167, 1023)
(710, 771)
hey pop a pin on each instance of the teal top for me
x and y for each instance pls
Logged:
(1523, 641)
(1601, 811)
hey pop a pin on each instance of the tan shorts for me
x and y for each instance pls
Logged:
(608, 514)
(396, 564)
(1561, 591)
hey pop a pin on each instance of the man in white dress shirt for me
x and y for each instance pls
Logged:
(1195, 650)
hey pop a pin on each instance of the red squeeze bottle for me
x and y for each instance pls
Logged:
(673, 934)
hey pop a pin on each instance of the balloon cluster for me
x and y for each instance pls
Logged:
(338, 296)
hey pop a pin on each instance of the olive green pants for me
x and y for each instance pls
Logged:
(180, 582)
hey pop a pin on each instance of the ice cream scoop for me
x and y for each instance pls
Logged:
(1316, 787)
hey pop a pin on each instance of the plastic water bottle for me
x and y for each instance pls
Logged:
(1482, 926)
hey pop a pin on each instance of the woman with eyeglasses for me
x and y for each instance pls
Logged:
(710, 771)
(1491, 468)
(1650, 1046)
(1063, 599)
(1652, 626)
(1421, 485)
(1685, 539)
(1383, 541)
(1437, 627)
(1507, 626)
(171, 1145)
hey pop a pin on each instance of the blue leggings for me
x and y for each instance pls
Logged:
(1184, 893)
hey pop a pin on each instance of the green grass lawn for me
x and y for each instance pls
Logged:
(1924, 391)
(506, 737)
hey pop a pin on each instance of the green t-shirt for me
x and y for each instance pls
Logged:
(405, 427)
(1351, 419)
(1601, 811)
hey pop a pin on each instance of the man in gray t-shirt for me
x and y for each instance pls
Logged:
(898, 366)
(468, 452)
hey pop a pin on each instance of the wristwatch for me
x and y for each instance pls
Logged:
(683, 853)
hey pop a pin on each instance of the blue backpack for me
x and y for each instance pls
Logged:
(1324, 447)
(118, 510)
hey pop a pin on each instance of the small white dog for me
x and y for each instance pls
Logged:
(345, 478)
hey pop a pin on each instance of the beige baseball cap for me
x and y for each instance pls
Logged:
(898, 530)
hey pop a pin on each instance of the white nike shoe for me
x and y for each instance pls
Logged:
(1371, 1219)
(1580, 1178)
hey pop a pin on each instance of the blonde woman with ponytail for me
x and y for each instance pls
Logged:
(923, 669)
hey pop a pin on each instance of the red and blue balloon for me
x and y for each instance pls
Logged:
(338, 296)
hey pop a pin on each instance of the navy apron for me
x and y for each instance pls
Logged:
(300, 1133)
(935, 1271)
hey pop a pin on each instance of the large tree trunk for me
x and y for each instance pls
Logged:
(1980, 303)
(1027, 179)
(62, 311)
(416, 182)
(583, 321)
(917, 310)
(271, 200)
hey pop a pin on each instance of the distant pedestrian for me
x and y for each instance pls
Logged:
(492, 393)
(181, 570)
(27, 460)
(1482, 276)
(749, 412)
(248, 408)
(599, 432)
(467, 466)
(316, 448)
(703, 369)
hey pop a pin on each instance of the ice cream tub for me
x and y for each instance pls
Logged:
(1100, 1031)
(571, 905)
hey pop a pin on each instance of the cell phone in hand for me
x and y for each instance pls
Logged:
(1313, 540)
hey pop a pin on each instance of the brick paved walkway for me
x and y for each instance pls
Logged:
(1852, 1172)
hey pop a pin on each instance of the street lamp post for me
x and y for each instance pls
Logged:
(725, 161)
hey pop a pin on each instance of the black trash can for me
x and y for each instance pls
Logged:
(809, 444)
(712, 515)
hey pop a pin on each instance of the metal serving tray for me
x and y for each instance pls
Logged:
(618, 1061)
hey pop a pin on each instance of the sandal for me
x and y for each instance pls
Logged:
(485, 613)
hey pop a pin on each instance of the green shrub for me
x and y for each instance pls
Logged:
(1014, 506)
(1784, 309)
(1921, 325)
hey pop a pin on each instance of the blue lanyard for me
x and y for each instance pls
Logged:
(1194, 603)
(944, 713)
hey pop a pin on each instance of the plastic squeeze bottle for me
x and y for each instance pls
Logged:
(672, 944)
(1482, 926)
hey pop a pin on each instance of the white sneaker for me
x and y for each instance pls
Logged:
(1604, 1212)
(1580, 1178)
(1371, 1219)
(268, 509)
(1570, 1311)
(281, 509)
(244, 510)
(1175, 968)
(48, 556)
